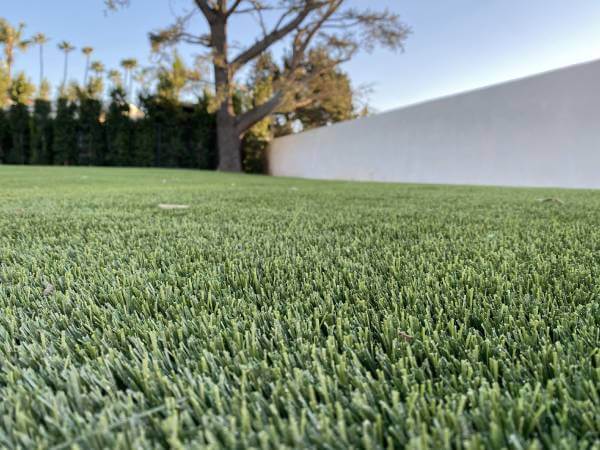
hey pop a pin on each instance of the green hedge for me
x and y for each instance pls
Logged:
(86, 132)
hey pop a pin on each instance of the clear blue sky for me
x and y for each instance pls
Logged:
(456, 45)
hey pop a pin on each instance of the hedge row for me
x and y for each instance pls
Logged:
(84, 131)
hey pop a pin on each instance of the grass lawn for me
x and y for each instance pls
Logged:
(280, 313)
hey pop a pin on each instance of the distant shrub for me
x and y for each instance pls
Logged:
(41, 132)
(77, 129)
(90, 132)
(20, 136)
(65, 133)
(254, 150)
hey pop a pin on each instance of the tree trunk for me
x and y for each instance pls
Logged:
(87, 71)
(228, 137)
(228, 143)
(41, 64)
(9, 64)
(65, 71)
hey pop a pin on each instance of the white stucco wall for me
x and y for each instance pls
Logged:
(538, 131)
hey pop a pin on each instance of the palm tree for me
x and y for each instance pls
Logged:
(87, 51)
(67, 48)
(115, 78)
(40, 39)
(142, 76)
(96, 83)
(129, 65)
(97, 67)
(12, 38)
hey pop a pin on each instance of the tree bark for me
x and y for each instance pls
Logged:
(229, 143)
(228, 138)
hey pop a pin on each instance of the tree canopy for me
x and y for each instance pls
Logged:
(300, 26)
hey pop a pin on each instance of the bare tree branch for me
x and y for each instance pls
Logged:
(256, 114)
(275, 35)
(207, 10)
(305, 36)
(233, 7)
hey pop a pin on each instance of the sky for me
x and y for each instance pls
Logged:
(455, 45)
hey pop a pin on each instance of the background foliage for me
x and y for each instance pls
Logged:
(79, 128)
(82, 131)
(161, 115)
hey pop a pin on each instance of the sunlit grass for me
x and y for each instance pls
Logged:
(275, 313)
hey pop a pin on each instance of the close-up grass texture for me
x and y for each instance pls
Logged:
(149, 308)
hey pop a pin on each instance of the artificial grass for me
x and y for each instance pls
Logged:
(280, 313)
